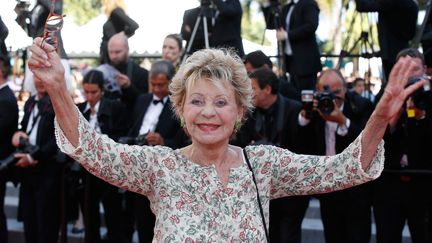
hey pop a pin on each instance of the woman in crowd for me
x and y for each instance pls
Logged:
(212, 191)
(172, 49)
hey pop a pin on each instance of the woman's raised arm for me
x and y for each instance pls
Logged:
(45, 64)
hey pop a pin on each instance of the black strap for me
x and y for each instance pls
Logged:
(258, 196)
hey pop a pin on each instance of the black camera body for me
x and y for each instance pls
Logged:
(23, 147)
(325, 100)
(422, 97)
(139, 140)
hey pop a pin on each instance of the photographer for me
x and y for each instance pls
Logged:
(296, 25)
(405, 197)
(107, 117)
(8, 126)
(40, 172)
(223, 21)
(154, 121)
(397, 21)
(337, 118)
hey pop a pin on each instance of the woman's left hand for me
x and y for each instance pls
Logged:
(45, 64)
(395, 93)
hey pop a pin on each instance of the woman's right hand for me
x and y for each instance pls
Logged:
(45, 64)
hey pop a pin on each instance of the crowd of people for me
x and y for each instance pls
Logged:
(218, 146)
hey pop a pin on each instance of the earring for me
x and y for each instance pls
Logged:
(237, 126)
(182, 122)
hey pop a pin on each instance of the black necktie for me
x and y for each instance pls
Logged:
(155, 102)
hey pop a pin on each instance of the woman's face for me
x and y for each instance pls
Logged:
(171, 50)
(210, 112)
(92, 93)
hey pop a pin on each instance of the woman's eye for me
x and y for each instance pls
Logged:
(220, 103)
(196, 102)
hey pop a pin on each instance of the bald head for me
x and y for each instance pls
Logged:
(118, 49)
(335, 81)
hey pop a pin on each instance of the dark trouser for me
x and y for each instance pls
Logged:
(301, 82)
(3, 226)
(397, 201)
(41, 207)
(346, 215)
(286, 217)
(138, 212)
(97, 190)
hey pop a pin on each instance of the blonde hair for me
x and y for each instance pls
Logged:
(220, 66)
(110, 5)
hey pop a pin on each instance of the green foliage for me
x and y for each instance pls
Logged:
(82, 11)
(253, 27)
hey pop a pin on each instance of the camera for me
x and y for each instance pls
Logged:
(23, 147)
(325, 100)
(139, 140)
(422, 98)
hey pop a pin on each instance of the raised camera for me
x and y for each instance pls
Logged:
(422, 98)
(325, 100)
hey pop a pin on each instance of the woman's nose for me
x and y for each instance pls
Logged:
(208, 110)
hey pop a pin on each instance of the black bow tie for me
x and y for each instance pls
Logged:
(155, 102)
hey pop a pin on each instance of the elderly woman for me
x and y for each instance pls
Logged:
(211, 191)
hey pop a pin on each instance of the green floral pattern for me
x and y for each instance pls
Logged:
(190, 203)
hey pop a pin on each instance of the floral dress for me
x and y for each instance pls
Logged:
(189, 201)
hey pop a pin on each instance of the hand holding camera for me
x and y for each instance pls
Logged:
(22, 156)
(323, 103)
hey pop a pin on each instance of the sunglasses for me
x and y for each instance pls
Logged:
(53, 25)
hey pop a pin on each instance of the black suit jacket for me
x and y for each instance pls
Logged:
(226, 31)
(397, 22)
(356, 108)
(111, 117)
(168, 125)
(8, 120)
(284, 123)
(301, 33)
(45, 134)
(411, 137)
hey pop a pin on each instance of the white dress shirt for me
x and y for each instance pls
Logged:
(151, 116)
(93, 116)
(331, 128)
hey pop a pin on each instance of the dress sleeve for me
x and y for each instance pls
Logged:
(296, 174)
(122, 165)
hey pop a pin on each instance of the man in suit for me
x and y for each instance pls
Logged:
(397, 21)
(296, 30)
(8, 126)
(257, 59)
(345, 214)
(402, 197)
(107, 117)
(132, 79)
(275, 121)
(153, 119)
(40, 172)
(224, 22)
